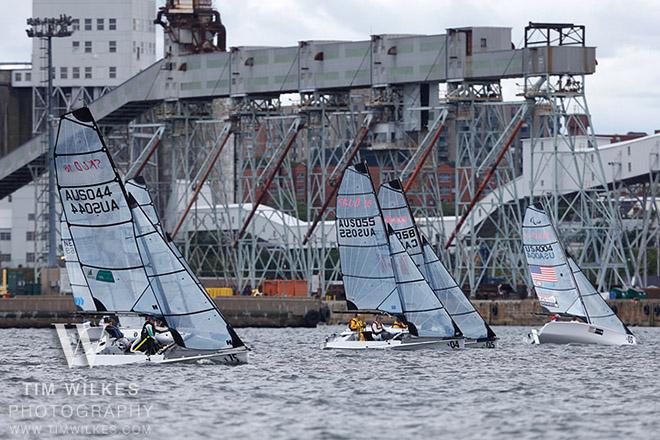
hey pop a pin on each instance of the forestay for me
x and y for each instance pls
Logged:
(364, 251)
(424, 313)
(599, 312)
(548, 267)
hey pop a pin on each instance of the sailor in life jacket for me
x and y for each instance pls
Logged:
(148, 342)
(378, 332)
(356, 323)
(399, 324)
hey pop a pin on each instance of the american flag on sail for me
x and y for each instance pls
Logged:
(542, 273)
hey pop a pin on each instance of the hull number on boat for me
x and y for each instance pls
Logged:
(490, 344)
(454, 344)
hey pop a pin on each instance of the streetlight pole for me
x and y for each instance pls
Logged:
(49, 28)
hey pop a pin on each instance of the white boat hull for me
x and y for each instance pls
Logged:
(561, 332)
(235, 356)
(346, 341)
(473, 343)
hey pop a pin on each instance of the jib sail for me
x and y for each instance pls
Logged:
(425, 314)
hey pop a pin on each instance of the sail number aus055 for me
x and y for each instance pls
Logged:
(90, 200)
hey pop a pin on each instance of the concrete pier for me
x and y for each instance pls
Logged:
(246, 311)
(240, 311)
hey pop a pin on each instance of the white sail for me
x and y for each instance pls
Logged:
(598, 311)
(548, 267)
(461, 310)
(82, 296)
(425, 314)
(363, 246)
(128, 265)
(397, 213)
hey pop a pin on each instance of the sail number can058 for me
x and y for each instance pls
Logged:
(90, 200)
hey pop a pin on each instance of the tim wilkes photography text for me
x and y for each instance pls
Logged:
(62, 409)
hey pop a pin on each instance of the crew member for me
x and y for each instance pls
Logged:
(148, 342)
(377, 331)
(356, 324)
(399, 324)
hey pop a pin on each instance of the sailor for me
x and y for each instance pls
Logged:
(377, 331)
(356, 324)
(148, 342)
(115, 334)
(399, 324)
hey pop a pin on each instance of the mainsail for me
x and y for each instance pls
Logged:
(425, 314)
(397, 213)
(559, 283)
(82, 296)
(364, 251)
(127, 265)
(548, 267)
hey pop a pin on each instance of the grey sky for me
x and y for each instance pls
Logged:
(623, 94)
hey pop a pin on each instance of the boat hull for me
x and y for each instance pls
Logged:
(474, 343)
(404, 344)
(235, 356)
(560, 332)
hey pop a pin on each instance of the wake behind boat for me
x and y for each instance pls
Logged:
(379, 275)
(564, 291)
(124, 264)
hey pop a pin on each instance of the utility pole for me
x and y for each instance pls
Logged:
(49, 28)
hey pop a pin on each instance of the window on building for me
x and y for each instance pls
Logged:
(100, 24)
(64, 72)
(75, 24)
(112, 24)
(629, 167)
(29, 257)
(31, 217)
(88, 24)
(135, 24)
(5, 258)
(88, 73)
(29, 236)
(18, 76)
(484, 43)
(75, 74)
(88, 47)
(5, 236)
(75, 45)
(112, 72)
(112, 46)
(28, 76)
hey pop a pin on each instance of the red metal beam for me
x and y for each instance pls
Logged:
(270, 178)
(200, 183)
(483, 184)
(151, 152)
(335, 181)
(418, 167)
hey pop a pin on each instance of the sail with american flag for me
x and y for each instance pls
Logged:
(551, 275)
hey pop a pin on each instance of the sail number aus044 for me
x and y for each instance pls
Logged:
(90, 200)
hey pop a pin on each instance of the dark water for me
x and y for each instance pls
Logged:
(293, 390)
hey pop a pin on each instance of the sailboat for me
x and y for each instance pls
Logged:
(564, 291)
(381, 277)
(397, 213)
(126, 265)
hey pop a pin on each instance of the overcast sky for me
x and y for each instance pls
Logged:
(623, 94)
